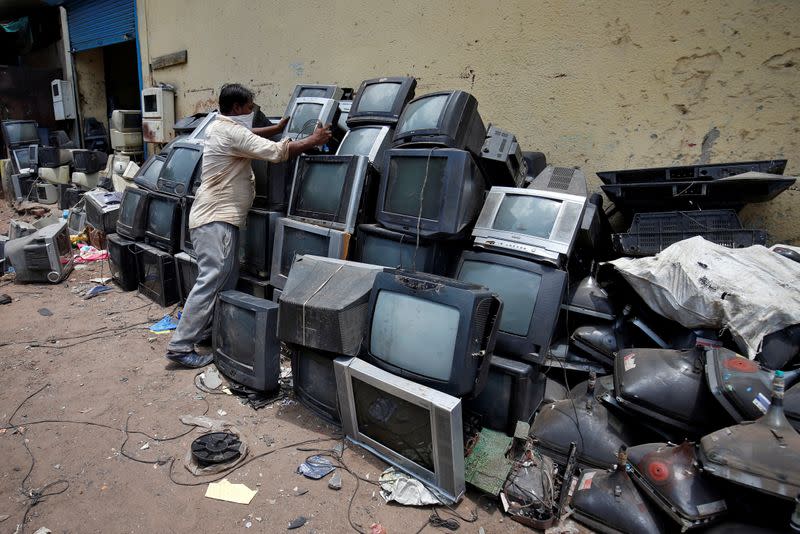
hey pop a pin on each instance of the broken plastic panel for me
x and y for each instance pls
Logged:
(764, 455)
(668, 386)
(610, 502)
(739, 384)
(671, 476)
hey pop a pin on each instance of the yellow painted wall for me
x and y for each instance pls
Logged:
(597, 84)
(91, 82)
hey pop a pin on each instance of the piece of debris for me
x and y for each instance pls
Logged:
(404, 489)
(145, 446)
(43, 530)
(165, 325)
(335, 482)
(5, 299)
(3, 517)
(225, 491)
(44, 312)
(377, 528)
(104, 280)
(96, 290)
(296, 523)
(211, 378)
(222, 413)
(315, 467)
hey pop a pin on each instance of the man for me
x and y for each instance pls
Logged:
(220, 208)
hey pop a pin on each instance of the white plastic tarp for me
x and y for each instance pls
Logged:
(751, 291)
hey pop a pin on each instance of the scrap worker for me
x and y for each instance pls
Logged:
(220, 208)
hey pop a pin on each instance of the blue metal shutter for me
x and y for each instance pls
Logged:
(95, 23)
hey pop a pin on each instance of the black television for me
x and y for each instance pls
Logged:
(380, 246)
(513, 392)
(147, 175)
(68, 195)
(312, 91)
(257, 239)
(436, 331)
(532, 294)
(122, 262)
(16, 133)
(330, 191)
(88, 161)
(370, 141)
(132, 218)
(181, 169)
(708, 171)
(381, 100)
(445, 118)
(314, 381)
(246, 347)
(157, 275)
(186, 267)
(53, 157)
(435, 193)
(163, 228)
(273, 183)
(102, 209)
(186, 237)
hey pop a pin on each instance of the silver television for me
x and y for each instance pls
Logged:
(44, 256)
(531, 223)
(305, 114)
(371, 141)
(415, 428)
(296, 238)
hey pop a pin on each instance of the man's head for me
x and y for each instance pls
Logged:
(235, 99)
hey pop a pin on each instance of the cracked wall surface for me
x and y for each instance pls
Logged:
(599, 85)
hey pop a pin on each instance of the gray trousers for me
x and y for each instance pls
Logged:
(217, 247)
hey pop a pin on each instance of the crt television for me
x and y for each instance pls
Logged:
(330, 190)
(257, 239)
(122, 261)
(88, 161)
(158, 278)
(532, 223)
(246, 347)
(415, 428)
(43, 256)
(102, 209)
(16, 133)
(370, 141)
(305, 114)
(434, 193)
(181, 169)
(297, 238)
(436, 331)
(132, 218)
(531, 292)
(446, 118)
(713, 171)
(380, 246)
(314, 381)
(163, 228)
(381, 100)
(53, 157)
(147, 175)
(25, 159)
(312, 91)
(126, 120)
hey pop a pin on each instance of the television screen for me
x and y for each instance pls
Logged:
(150, 276)
(379, 97)
(235, 332)
(150, 103)
(534, 216)
(405, 192)
(422, 114)
(160, 216)
(128, 208)
(359, 141)
(20, 132)
(517, 289)
(304, 118)
(378, 250)
(131, 121)
(394, 422)
(180, 166)
(429, 351)
(321, 187)
(22, 158)
(298, 242)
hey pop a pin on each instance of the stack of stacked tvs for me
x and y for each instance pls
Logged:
(126, 131)
(86, 165)
(54, 165)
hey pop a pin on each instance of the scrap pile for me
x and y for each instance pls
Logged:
(460, 309)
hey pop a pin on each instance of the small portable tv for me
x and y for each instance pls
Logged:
(88, 161)
(181, 169)
(246, 347)
(122, 261)
(531, 223)
(379, 246)
(312, 91)
(435, 193)
(370, 141)
(157, 275)
(436, 331)
(314, 381)
(513, 392)
(415, 428)
(330, 191)
(185, 243)
(187, 274)
(43, 256)
(501, 159)
(147, 176)
(447, 118)
(17, 133)
(532, 294)
(53, 157)
(163, 228)
(132, 219)
(257, 240)
(296, 238)
(381, 100)
(102, 209)
(306, 113)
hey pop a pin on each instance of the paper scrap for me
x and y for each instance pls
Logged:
(225, 491)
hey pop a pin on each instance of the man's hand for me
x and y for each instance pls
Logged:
(282, 123)
(321, 135)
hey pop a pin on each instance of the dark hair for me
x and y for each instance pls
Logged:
(231, 94)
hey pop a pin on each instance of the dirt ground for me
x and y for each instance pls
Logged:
(97, 362)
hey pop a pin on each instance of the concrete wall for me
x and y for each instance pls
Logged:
(597, 84)
(91, 82)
